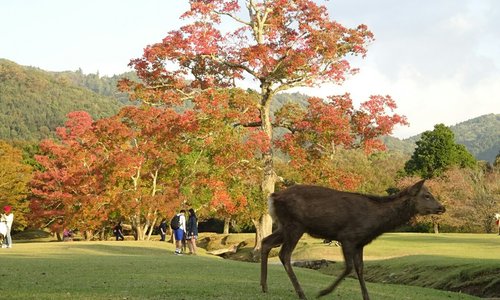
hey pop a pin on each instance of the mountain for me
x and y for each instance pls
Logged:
(34, 102)
(481, 136)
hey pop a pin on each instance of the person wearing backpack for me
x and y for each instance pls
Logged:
(178, 225)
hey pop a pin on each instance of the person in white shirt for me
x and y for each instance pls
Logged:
(8, 218)
(180, 232)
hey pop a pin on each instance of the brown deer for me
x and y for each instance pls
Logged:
(350, 218)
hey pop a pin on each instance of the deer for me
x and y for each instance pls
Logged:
(353, 219)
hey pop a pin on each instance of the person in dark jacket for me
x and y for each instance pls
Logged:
(192, 231)
(163, 229)
(118, 231)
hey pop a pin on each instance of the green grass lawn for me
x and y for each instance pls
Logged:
(150, 270)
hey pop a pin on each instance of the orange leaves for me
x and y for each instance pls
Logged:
(223, 202)
(337, 122)
(322, 131)
(282, 43)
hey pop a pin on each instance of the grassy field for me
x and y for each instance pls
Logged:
(150, 270)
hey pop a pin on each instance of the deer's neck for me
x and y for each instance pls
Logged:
(397, 213)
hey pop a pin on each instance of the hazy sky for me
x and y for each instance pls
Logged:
(439, 59)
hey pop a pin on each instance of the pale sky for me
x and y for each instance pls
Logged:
(439, 59)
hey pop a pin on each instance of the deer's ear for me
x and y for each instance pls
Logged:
(417, 187)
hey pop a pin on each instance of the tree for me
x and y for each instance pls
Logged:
(281, 44)
(14, 178)
(436, 152)
(323, 136)
(486, 200)
(153, 179)
(471, 198)
(70, 190)
(124, 167)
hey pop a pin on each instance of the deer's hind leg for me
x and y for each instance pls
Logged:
(292, 235)
(349, 252)
(271, 241)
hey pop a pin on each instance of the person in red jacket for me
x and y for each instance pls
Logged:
(8, 218)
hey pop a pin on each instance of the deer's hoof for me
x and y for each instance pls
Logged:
(323, 293)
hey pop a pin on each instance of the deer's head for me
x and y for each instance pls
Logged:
(425, 203)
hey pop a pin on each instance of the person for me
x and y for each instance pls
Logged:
(8, 218)
(118, 231)
(67, 235)
(497, 216)
(163, 229)
(180, 232)
(192, 231)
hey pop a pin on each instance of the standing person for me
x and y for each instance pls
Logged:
(8, 218)
(118, 231)
(178, 224)
(497, 216)
(163, 229)
(192, 231)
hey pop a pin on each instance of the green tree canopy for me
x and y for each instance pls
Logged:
(436, 152)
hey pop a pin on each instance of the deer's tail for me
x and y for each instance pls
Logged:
(270, 205)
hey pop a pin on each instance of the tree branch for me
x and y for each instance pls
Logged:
(251, 124)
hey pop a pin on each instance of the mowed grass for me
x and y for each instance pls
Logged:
(150, 270)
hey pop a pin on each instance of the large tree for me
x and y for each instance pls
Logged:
(281, 44)
(14, 178)
(436, 152)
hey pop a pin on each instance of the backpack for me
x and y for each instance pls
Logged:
(175, 222)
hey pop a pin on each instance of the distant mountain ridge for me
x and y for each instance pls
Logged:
(481, 136)
(33, 102)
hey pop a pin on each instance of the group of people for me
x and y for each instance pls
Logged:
(6, 220)
(185, 231)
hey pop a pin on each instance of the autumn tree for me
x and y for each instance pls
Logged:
(14, 178)
(486, 200)
(280, 44)
(324, 136)
(151, 167)
(436, 152)
(228, 168)
(119, 168)
(70, 190)
(471, 198)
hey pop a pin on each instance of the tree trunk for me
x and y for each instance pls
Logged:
(227, 222)
(263, 227)
(151, 229)
(436, 227)
(103, 234)
(88, 234)
(137, 228)
(264, 224)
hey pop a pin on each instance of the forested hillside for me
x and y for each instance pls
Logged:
(481, 136)
(34, 102)
(102, 85)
